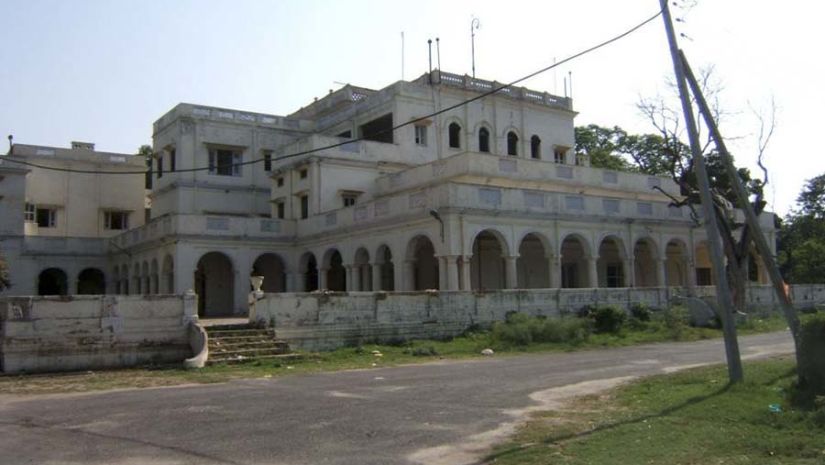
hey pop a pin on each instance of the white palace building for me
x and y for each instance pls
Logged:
(489, 195)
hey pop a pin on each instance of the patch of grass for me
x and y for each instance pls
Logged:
(520, 334)
(691, 417)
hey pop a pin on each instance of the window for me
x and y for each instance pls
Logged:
(512, 143)
(455, 135)
(28, 214)
(46, 217)
(421, 135)
(303, 173)
(579, 159)
(172, 161)
(614, 275)
(346, 134)
(379, 129)
(559, 155)
(268, 161)
(224, 162)
(704, 277)
(535, 147)
(280, 208)
(484, 140)
(116, 220)
(280, 182)
(159, 163)
(304, 207)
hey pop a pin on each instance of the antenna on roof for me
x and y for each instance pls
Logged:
(570, 73)
(11, 142)
(474, 24)
(402, 55)
(438, 54)
(430, 49)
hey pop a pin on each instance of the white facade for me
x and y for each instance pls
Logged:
(487, 195)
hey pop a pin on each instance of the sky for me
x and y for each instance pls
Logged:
(103, 71)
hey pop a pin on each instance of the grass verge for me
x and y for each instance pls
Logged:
(692, 417)
(362, 357)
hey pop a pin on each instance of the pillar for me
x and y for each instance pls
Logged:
(554, 271)
(661, 279)
(409, 275)
(465, 273)
(629, 271)
(376, 277)
(442, 272)
(322, 278)
(511, 273)
(592, 272)
(452, 272)
(353, 278)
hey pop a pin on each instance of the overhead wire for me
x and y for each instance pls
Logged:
(492, 91)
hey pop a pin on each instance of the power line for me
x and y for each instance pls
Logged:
(359, 139)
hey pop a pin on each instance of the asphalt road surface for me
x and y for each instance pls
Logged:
(444, 412)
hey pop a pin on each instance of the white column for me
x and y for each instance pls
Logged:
(691, 273)
(661, 277)
(592, 273)
(555, 271)
(376, 277)
(629, 269)
(322, 278)
(353, 278)
(465, 273)
(511, 275)
(452, 272)
(409, 275)
(442, 272)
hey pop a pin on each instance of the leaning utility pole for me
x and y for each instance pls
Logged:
(744, 204)
(723, 296)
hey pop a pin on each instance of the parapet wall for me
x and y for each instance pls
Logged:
(324, 320)
(89, 332)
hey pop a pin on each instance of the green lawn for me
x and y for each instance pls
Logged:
(467, 346)
(687, 418)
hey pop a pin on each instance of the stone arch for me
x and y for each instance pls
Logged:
(704, 268)
(512, 142)
(124, 279)
(533, 264)
(383, 258)
(361, 270)
(52, 281)
(484, 140)
(145, 287)
(308, 267)
(676, 263)
(271, 267)
(574, 252)
(168, 275)
(215, 285)
(535, 147)
(333, 268)
(154, 276)
(645, 259)
(488, 269)
(422, 265)
(137, 284)
(454, 133)
(610, 265)
(91, 281)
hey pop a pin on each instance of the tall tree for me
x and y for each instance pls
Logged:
(802, 236)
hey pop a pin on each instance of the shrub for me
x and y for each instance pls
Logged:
(608, 319)
(520, 329)
(640, 312)
(428, 351)
(675, 319)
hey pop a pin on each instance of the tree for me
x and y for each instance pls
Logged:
(802, 236)
(146, 152)
(673, 157)
(5, 281)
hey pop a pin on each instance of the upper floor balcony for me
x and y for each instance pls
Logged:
(206, 226)
(536, 174)
(363, 150)
(481, 85)
(227, 115)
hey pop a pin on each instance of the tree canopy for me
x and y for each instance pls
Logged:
(801, 251)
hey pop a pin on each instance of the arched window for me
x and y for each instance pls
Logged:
(484, 140)
(455, 135)
(512, 143)
(535, 147)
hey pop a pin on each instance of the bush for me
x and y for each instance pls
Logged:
(520, 329)
(675, 320)
(428, 351)
(608, 319)
(640, 312)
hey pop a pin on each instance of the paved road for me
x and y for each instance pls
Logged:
(380, 416)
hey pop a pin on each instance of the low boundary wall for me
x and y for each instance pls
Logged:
(326, 320)
(89, 332)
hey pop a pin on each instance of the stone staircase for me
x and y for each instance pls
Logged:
(239, 343)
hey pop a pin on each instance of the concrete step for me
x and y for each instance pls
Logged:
(243, 342)
(223, 345)
(240, 358)
(239, 332)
